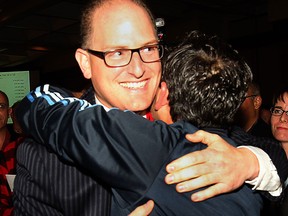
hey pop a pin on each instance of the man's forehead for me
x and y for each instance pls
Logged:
(126, 37)
(128, 25)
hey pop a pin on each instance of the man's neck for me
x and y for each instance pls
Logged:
(98, 102)
(250, 123)
(142, 113)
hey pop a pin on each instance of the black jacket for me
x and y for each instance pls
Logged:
(47, 185)
(128, 153)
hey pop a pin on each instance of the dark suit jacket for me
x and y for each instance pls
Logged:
(45, 185)
(130, 154)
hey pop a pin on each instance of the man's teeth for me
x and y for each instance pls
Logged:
(133, 85)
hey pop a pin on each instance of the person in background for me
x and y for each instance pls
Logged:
(109, 29)
(279, 128)
(279, 118)
(135, 158)
(7, 157)
(248, 116)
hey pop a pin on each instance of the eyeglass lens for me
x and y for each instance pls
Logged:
(123, 57)
(278, 111)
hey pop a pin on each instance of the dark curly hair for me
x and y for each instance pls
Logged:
(207, 80)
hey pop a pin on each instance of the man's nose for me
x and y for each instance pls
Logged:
(137, 65)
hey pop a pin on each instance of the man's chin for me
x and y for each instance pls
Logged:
(139, 107)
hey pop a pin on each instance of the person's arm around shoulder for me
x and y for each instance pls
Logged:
(221, 166)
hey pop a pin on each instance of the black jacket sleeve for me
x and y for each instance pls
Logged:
(96, 136)
(123, 149)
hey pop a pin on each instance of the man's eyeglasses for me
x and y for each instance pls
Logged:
(122, 57)
(276, 111)
(3, 106)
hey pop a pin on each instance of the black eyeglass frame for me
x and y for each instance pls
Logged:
(102, 55)
(278, 114)
(254, 95)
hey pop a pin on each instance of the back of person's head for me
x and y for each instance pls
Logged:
(86, 27)
(14, 108)
(254, 94)
(16, 125)
(254, 89)
(249, 111)
(207, 80)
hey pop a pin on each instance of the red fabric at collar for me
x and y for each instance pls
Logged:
(149, 116)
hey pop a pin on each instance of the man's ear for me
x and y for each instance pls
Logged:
(160, 108)
(161, 97)
(257, 102)
(10, 112)
(83, 60)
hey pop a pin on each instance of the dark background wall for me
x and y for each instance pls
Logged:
(257, 29)
(42, 35)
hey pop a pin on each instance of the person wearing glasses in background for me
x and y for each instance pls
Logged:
(248, 116)
(279, 128)
(279, 118)
(45, 185)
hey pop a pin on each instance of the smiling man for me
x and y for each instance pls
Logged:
(112, 31)
(129, 85)
(45, 185)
